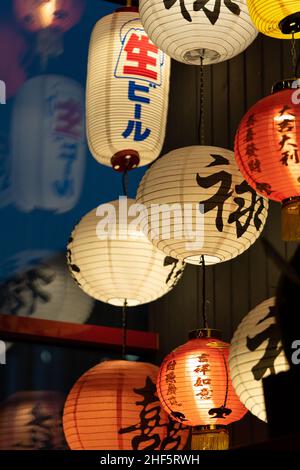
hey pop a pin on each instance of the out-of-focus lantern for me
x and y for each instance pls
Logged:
(195, 389)
(210, 209)
(187, 30)
(114, 406)
(256, 352)
(127, 92)
(48, 150)
(276, 18)
(113, 261)
(32, 421)
(267, 150)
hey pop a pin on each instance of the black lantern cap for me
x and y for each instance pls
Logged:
(290, 24)
(205, 333)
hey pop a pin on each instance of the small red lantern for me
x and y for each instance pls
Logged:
(195, 389)
(267, 150)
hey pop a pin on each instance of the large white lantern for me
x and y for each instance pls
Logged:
(48, 144)
(199, 205)
(187, 30)
(256, 352)
(127, 92)
(113, 261)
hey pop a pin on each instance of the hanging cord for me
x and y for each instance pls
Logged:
(201, 133)
(124, 327)
(297, 63)
(294, 55)
(204, 317)
(125, 182)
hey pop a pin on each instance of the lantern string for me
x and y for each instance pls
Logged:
(201, 133)
(125, 182)
(294, 55)
(124, 327)
(205, 322)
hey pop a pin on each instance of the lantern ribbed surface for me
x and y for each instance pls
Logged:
(267, 15)
(186, 31)
(114, 406)
(233, 217)
(32, 421)
(126, 267)
(194, 385)
(256, 352)
(127, 91)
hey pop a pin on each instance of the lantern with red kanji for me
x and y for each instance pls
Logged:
(267, 150)
(195, 389)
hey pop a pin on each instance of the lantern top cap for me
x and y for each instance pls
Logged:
(286, 84)
(205, 333)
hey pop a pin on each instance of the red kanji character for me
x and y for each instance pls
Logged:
(137, 49)
(69, 117)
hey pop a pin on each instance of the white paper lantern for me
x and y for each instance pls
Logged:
(187, 30)
(256, 352)
(212, 211)
(127, 92)
(48, 144)
(121, 267)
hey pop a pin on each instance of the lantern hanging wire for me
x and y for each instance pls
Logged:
(201, 132)
(124, 328)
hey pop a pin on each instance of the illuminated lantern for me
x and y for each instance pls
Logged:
(276, 18)
(114, 406)
(44, 289)
(256, 352)
(267, 150)
(32, 421)
(195, 389)
(127, 92)
(48, 150)
(187, 30)
(207, 208)
(112, 260)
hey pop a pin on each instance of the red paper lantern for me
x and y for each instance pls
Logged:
(267, 150)
(195, 389)
(114, 406)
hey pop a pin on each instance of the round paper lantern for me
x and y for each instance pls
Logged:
(48, 150)
(113, 261)
(267, 150)
(194, 385)
(44, 289)
(208, 208)
(276, 18)
(187, 30)
(127, 92)
(114, 406)
(32, 421)
(256, 352)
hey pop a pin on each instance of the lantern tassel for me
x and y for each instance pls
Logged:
(210, 438)
(291, 220)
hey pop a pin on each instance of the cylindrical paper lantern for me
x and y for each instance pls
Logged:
(194, 386)
(112, 260)
(48, 150)
(187, 30)
(127, 92)
(32, 421)
(205, 205)
(267, 150)
(276, 18)
(114, 406)
(256, 352)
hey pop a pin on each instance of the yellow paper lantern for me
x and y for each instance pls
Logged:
(276, 18)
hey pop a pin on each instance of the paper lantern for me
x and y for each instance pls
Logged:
(187, 30)
(114, 406)
(32, 421)
(267, 150)
(43, 290)
(112, 260)
(127, 92)
(210, 209)
(194, 386)
(256, 352)
(48, 150)
(276, 18)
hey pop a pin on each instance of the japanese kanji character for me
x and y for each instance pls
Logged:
(137, 49)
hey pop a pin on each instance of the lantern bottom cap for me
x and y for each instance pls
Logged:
(120, 302)
(208, 259)
(290, 215)
(210, 438)
(125, 160)
(194, 56)
(290, 24)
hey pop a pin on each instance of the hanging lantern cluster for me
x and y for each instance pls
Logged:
(212, 211)
(114, 406)
(267, 150)
(127, 92)
(256, 352)
(189, 30)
